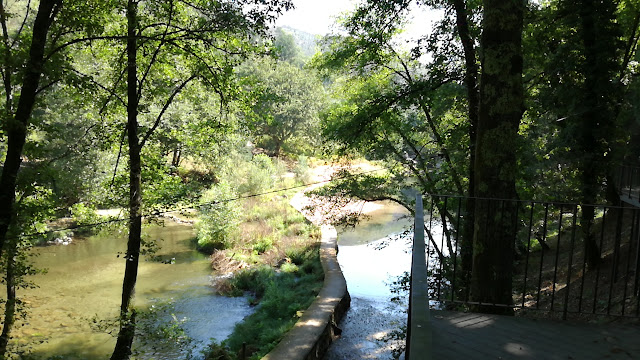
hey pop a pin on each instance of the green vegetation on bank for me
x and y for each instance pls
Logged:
(263, 246)
(282, 295)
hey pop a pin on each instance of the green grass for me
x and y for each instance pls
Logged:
(282, 294)
(276, 260)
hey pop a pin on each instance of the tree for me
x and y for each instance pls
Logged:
(578, 71)
(463, 14)
(33, 61)
(16, 117)
(436, 144)
(397, 83)
(207, 46)
(501, 108)
(286, 48)
(285, 114)
(599, 36)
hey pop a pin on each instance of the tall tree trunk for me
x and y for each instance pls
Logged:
(126, 334)
(501, 107)
(16, 124)
(590, 176)
(473, 99)
(10, 304)
(598, 35)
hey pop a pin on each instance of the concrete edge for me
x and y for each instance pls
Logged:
(311, 336)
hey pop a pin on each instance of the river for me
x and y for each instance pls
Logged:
(372, 255)
(84, 281)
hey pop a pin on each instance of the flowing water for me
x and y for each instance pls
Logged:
(372, 255)
(84, 282)
(375, 251)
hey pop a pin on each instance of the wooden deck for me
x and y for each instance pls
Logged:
(466, 336)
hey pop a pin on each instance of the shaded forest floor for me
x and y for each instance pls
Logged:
(557, 279)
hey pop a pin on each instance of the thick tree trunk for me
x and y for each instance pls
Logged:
(127, 314)
(10, 304)
(595, 129)
(16, 124)
(473, 98)
(501, 107)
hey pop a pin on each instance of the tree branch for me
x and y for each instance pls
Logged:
(176, 91)
(112, 93)
(155, 53)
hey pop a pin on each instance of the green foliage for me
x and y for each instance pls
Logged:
(160, 332)
(254, 279)
(284, 115)
(263, 245)
(566, 132)
(283, 295)
(219, 218)
(216, 351)
(256, 176)
(286, 48)
(389, 107)
(83, 215)
(34, 207)
(306, 42)
(289, 268)
(301, 170)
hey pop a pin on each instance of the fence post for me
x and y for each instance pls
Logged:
(418, 345)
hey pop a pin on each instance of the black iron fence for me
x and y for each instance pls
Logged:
(565, 260)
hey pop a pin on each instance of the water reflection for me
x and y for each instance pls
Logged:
(368, 268)
(373, 253)
(84, 281)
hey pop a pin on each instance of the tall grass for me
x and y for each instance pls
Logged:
(273, 253)
(227, 223)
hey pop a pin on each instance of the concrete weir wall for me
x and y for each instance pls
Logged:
(311, 336)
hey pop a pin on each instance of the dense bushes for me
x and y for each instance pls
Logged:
(219, 218)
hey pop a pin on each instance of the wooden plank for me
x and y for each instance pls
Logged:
(479, 336)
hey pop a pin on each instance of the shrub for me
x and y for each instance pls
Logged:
(300, 255)
(283, 297)
(289, 267)
(84, 215)
(263, 245)
(301, 169)
(217, 352)
(257, 176)
(254, 279)
(217, 227)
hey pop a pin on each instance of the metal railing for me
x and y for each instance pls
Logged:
(551, 271)
(418, 343)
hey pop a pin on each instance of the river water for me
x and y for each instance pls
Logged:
(84, 282)
(372, 255)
